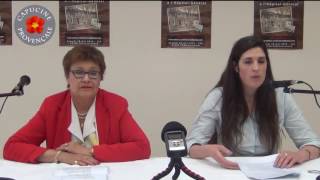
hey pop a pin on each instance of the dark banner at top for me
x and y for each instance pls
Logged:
(186, 24)
(5, 23)
(84, 22)
(279, 23)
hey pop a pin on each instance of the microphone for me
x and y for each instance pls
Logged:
(284, 83)
(24, 81)
(173, 134)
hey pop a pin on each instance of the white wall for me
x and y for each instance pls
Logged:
(161, 85)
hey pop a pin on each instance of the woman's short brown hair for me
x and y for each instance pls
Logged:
(85, 53)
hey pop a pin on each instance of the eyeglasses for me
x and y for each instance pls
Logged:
(80, 74)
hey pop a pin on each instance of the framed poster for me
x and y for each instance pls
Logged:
(186, 24)
(279, 23)
(84, 22)
(5, 23)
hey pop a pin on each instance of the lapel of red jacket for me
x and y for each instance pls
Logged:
(102, 117)
(64, 119)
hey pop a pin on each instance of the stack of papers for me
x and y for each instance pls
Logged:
(262, 168)
(82, 173)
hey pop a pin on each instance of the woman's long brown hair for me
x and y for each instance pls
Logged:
(235, 111)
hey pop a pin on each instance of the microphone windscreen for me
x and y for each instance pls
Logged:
(25, 79)
(173, 126)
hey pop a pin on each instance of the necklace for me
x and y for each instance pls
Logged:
(82, 118)
(82, 114)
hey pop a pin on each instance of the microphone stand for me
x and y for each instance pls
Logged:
(6, 95)
(177, 163)
(15, 93)
(291, 90)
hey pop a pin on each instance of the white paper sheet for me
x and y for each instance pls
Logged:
(82, 173)
(262, 168)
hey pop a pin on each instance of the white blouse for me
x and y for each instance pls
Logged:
(89, 137)
(208, 121)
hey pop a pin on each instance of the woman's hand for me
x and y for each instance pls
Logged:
(75, 148)
(287, 159)
(77, 159)
(216, 151)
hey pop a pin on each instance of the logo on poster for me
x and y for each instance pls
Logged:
(34, 25)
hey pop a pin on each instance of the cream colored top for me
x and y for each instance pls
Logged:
(208, 121)
(89, 137)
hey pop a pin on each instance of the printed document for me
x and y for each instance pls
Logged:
(82, 173)
(262, 167)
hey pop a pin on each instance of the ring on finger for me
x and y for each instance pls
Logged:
(65, 146)
(76, 162)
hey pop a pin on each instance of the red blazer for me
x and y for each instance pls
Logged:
(120, 137)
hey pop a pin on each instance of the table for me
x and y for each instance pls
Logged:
(145, 169)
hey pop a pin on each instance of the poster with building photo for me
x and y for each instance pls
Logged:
(186, 24)
(5, 23)
(84, 22)
(279, 23)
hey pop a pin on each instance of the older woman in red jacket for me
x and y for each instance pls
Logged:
(83, 125)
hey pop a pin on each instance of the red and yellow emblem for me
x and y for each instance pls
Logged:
(34, 24)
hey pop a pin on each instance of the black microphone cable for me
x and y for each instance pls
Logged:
(3, 104)
(286, 83)
(291, 90)
(314, 93)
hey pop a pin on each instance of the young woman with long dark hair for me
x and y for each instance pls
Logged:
(244, 116)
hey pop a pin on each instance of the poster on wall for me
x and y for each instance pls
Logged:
(5, 23)
(84, 22)
(34, 25)
(279, 23)
(186, 24)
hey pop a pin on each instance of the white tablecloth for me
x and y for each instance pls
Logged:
(144, 169)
